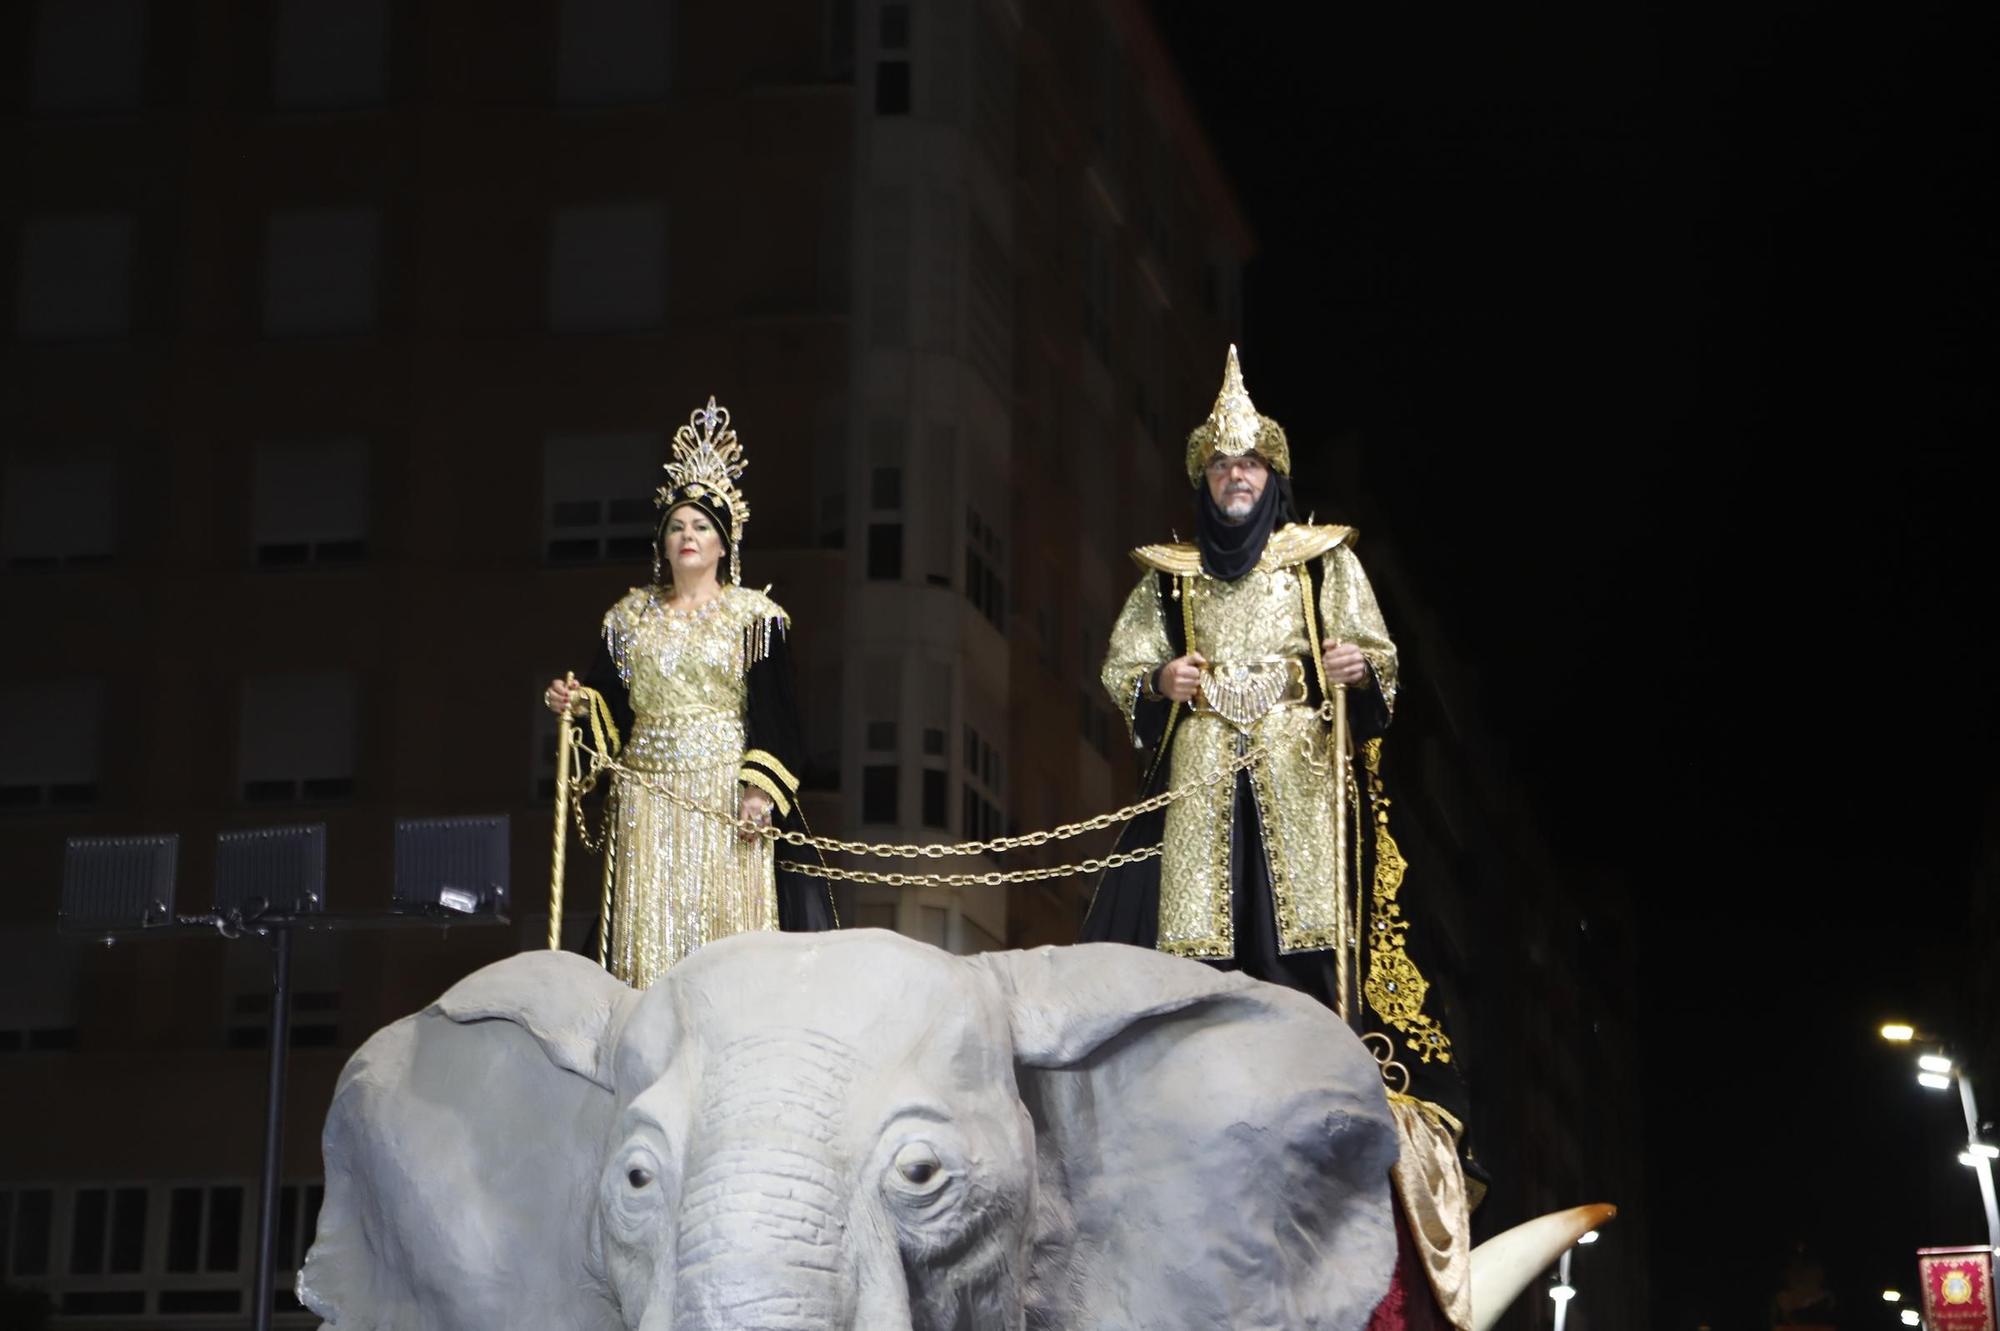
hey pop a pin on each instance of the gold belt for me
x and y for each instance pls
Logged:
(1241, 692)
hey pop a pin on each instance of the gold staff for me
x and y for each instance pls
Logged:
(1344, 923)
(565, 738)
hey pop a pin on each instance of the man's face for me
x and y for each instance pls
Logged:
(1236, 484)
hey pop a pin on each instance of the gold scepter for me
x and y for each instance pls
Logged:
(565, 740)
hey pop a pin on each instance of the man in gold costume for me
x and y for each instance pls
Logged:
(1241, 642)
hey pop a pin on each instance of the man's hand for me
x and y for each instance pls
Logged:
(1344, 663)
(756, 810)
(1178, 678)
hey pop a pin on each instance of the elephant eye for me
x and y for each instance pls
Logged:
(917, 1170)
(637, 1177)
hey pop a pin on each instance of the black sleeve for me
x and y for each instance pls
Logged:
(773, 754)
(603, 677)
(1150, 715)
(773, 750)
(1367, 716)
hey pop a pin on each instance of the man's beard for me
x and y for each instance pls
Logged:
(1238, 506)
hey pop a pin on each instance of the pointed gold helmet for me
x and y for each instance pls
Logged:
(1234, 428)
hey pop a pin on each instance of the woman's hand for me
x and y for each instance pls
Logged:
(563, 696)
(756, 810)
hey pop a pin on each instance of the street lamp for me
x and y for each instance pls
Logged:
(1892, 1296)
(1937, 1071)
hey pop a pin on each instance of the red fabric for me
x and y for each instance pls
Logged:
(1410, 1304)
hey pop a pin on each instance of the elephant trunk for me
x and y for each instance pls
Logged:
(762, 1242)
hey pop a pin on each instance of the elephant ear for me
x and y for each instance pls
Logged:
(462, 1151)
(1214, 1151)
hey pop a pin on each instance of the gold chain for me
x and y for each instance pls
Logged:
(992, 878)
(581, 783)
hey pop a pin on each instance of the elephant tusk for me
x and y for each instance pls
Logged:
(1504, 1264)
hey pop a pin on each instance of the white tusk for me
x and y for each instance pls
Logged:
(1504, 1264)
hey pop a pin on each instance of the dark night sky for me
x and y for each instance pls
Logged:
(1669, 340)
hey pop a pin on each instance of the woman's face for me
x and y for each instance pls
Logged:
(692, 543)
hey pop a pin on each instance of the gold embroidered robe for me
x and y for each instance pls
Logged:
(1262, 615)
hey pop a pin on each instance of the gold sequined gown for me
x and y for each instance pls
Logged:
(678, 878)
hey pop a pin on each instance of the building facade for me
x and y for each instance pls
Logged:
(344, 342)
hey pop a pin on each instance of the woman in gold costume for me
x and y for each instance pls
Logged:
(696, 679)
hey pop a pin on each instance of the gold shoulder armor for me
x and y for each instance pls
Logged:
(1293, 543)
(749, 603)
(1181, 560)
(1296, 542)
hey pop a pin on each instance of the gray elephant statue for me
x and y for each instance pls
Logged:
(854, 1130)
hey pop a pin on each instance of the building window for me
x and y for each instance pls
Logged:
(608, 268)
(75, 281)
(27, 1219)
(297, 737)
(205, 1231)
(90, 55)
(59, 515)
(936, 798)
(49, 744)
(322, 272)
(885, 551)
(597, 507)
(892, 61)
(107, 1231)
(329, 54)
(984, 780)
(879, 793)
(985, 564)
(935, 793)
(298, 1221)
(310, 504)
(885, 501)
(613, 52)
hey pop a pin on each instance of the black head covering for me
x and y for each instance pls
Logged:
(1231, 549)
